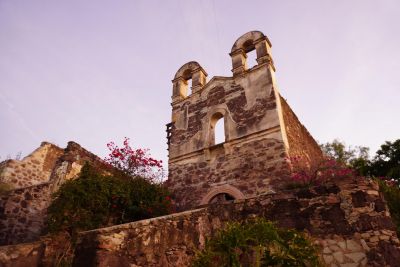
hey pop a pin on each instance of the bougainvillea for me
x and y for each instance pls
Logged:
(135, 161)
(304, 174)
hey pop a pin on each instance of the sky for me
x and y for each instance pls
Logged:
(96, 71)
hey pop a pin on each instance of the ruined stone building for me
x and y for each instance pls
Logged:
(33, 180)
(261, 130)
(348, 218)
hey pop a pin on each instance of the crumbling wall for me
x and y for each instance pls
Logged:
(23, 210)
(301, 143)
(22, 213)
(349, 221)
(35, 168)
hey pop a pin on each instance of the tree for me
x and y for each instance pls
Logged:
(135, 162)
(356, 157)
(387, 160)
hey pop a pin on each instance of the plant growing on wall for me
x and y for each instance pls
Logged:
(257, 243)
(391, 193)
(135, 161)
(94, 200)
(305, 175)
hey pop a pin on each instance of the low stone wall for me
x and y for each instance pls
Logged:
(350, 222)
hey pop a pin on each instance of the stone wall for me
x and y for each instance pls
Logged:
(23, 255)
(254, 168)
(35, 168)
(301, 143)
(349, 221)
(23, 210)
(22, 213)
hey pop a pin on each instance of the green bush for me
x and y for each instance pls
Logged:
(94, 200)
(257, 243)
(391, 192)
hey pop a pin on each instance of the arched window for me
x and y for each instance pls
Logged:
(222, 193)
(217, 131)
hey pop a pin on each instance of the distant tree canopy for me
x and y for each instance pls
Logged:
(385, 163)
(355, 157)
(387, 160)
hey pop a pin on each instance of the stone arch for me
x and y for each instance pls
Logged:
(191, 70)
(223, 189)
(247, 41)
(254, 40)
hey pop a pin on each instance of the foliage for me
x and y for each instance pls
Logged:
(387, 161)
(356, 157)
(257, 243)
(93, 200)
(319, 172)
(391, 192)
(134, 162)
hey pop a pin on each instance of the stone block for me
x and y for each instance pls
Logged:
(355, 256)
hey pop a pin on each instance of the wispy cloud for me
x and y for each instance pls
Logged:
(19, 119)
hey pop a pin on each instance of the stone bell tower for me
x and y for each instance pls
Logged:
(261, 131)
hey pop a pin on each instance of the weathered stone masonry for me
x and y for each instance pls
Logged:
(349, 220)
(33, 169)
(261, 131)
(23, 210)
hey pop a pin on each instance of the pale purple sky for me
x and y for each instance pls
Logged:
(95, 71)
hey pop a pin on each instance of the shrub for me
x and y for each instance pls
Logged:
(306, 175)
(93, 200)
(257, 243)
(391, 192)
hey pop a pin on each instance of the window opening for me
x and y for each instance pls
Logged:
(219, 131)
(189, 87)
(222, 198)
(251, 59)
(187, 75)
